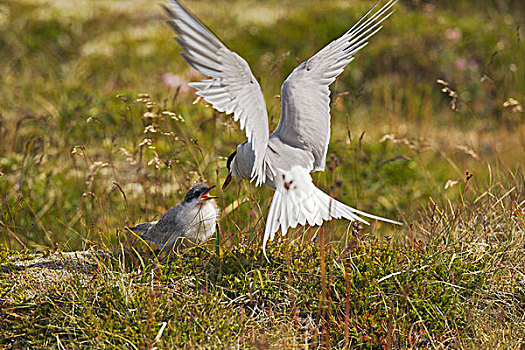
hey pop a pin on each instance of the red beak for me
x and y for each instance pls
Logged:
(227, 181)
(207, 196)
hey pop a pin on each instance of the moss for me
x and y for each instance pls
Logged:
(203, 298)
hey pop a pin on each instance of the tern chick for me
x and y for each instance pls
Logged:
(283, 160)
(193, 218)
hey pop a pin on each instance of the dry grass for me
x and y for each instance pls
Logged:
(99, 131)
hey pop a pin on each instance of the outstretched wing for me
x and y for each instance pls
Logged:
(297, 201)
(305, 95)
(232, 87)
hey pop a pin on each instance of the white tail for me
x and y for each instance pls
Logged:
(292, 205)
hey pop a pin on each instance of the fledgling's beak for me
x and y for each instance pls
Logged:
(206, 195)
(227, 181)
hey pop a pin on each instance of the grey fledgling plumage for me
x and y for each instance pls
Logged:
(193, 218)
(283, 160)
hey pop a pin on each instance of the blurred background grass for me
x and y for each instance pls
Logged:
(98, 129)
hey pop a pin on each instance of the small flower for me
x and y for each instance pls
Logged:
(461, 64)
(387, 137)
(453, 34)
(197, 100)
(151, 128)
(145, 142)
(149, 115)
(125, 153)
(451, 93)
(78, 150)
(176, 81)
(450, 183)
(156, 161)
(514, 105)
(92, 118)
(97, 165)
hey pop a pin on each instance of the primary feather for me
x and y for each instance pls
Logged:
(232, 89)
(305, 94)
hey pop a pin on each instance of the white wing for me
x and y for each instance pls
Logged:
(305, 95)
(297, 201)
(232, 89)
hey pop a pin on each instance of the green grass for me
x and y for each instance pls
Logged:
(92, 139)
(439, 293)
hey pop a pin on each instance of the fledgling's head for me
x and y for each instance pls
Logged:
(200, 193)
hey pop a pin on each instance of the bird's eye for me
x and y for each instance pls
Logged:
(191, 195)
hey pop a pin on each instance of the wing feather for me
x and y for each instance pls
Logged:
(305, 95)
(232, 87)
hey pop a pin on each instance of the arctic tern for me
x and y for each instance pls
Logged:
(283, 160)
(193, 218)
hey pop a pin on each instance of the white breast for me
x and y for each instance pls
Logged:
(201, 226)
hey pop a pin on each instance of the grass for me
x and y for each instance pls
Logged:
(99, 131)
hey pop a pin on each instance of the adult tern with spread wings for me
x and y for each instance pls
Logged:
(283, 160)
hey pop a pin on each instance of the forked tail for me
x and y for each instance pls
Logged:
(293, 205)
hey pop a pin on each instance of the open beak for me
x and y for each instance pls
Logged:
(206, 195)
(227, 181)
